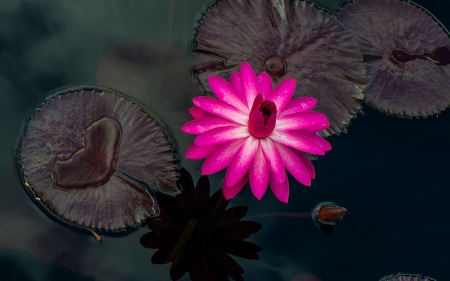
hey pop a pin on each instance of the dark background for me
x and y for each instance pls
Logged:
(392, 174)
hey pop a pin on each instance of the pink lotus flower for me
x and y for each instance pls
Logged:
(256, 131)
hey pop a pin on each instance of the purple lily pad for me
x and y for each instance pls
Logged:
(287, 39)
(406, 277)
(158, 76)
(90, 157)
(408, 68)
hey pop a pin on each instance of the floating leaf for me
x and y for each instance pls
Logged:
(407, 53)
(287, 39)
(90, 157)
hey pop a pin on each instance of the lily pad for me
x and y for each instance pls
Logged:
(287, 39)
(91, 157)
(408, 56)
(406, 277)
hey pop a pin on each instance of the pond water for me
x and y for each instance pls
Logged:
(390, 173)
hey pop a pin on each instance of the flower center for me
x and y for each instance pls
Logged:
(262, 117)
(267, 108)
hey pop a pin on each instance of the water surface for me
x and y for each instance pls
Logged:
(390, 173)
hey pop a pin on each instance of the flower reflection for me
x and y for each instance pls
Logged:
(257, 132)
(306, 277)
(196, 233)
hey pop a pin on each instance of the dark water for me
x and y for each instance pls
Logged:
(390, 173)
